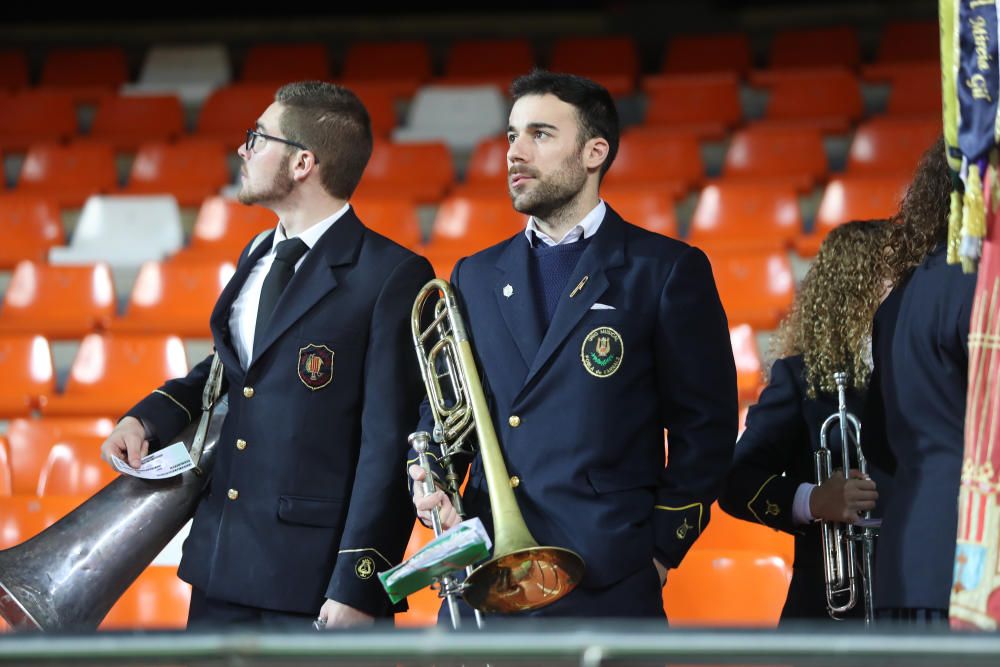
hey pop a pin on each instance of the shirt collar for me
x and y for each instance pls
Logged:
(582, 230)
(311, 235)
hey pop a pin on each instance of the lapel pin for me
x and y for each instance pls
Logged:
(508, 291)
(579, 286)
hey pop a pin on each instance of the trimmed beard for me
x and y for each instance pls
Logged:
(280, 187)
(552, 193)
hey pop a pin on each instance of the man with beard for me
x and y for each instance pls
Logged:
(305, 502)
(593, 336)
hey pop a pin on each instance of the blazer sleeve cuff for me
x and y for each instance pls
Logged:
(162, 415)
(676, 530)
(773, 504)
(355, 582)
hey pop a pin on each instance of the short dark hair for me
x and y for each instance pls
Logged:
(333, 123)
(594, 105)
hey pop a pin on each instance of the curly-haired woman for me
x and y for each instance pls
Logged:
(772, 480)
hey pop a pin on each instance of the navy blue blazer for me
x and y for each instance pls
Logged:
(307, 500)
(580, 409)
(921, 371)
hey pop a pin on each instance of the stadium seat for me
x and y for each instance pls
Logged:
(668, 161)
(706, 105)
(6, 485)
(278, 64)
(31, 117)
(909, 41)
(69, 174)
(123, 231)
(850, 198)
(891, 146)
(459, 116)
(746, 216)
(189, 170)
(394, 218)
(23, 517)
(111, 372)
(488, 62)
(404, 65)
(191, 71)
(87, 73)
(422, 172)
(915, 92)
(157, 600)
(704, 54)
(13, 70)
(727, 588)
(815, 47)
(380, 101)
(126, 122)
(58, 302)
(791, 155)
(487, 169)
(30, 225)
(223, 229)
(175, 298)
(827, 99)
(31, 439)
(652, 210)
(475, 222)
(230, 111)
(26, 368)
(425, 603)
(611, 61)
(755, 287)
(74, 469)
(727, 533)
(749, 373)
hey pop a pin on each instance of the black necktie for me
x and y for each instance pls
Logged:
(286, 255)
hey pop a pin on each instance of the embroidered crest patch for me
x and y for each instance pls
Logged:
(315, 366)
(364, 568)
(602, 352)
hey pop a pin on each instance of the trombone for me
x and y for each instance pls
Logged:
(522, 575)
(847, 573)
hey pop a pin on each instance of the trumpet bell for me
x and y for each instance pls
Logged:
(523, 580)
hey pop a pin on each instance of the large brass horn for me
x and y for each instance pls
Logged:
(70, 575)
(522, 575)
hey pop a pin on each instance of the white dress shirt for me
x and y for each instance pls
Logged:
(243, 314)
(582, 230)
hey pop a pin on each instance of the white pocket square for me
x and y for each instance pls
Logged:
(602, 306)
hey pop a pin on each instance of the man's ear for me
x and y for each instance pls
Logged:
(595, 152)
(303, 165)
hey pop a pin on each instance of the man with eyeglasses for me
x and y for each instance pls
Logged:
(307, 501)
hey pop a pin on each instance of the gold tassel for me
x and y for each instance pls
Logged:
(973, 220)
(954, 227)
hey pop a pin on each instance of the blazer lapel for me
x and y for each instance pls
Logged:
(515, 300)
(606, 250)
(314, 279)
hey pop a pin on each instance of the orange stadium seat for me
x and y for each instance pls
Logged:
(74, 469)
(793, 155)
(749, 374)
(223, 229)
(13, 70)
(667, 161)
(755, 287)
(419, 171)
(175, 298)
(748, 589)
(278, 64)
(30, 225)
(26, 368)
(425, 603)
(852, 198)
(394, 218)
(891, 146)
(128, 121)
(702, 54)
(650, 209)
(58, 302)
(6, 484)
(727, 533)
(909, 41)
(31, 439)
(706, 105)
(23, 517)
(611, 61)
(745, 216)
(230, 111)
(157, 600)
(466, 224)
(405, 64)
(828, 99)
(488, 61)
(190, 170)
(88, 74)
(69, 174)
(380, 101)
(111, 372)
(815, 47)
(487, 170)
(31, 117)
(915, 92)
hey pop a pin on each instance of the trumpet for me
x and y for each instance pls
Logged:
(522, 575)
(847, 573)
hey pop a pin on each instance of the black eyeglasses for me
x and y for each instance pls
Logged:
(255, 144)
